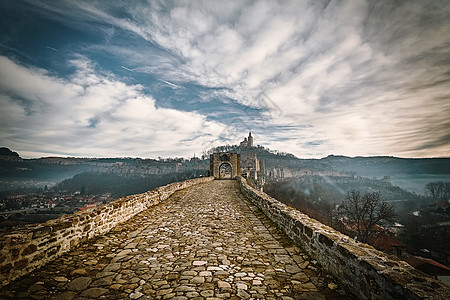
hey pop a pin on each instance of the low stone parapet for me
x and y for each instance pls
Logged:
(32, 246)
(368, 273)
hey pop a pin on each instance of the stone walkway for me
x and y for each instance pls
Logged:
(204, 242)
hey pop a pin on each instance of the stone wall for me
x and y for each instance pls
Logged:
(32, 246)
(368, 273)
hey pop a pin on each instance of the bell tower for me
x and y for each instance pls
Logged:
(250, 140)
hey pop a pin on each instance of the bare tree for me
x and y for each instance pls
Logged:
(439, 190)
(365, 211)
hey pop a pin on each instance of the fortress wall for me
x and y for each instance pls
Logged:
(368, 273)
(32, 246)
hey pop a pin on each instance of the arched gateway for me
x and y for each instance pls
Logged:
(225, 171)
(225, 165)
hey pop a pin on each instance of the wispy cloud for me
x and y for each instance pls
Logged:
(92, 115)
(353, 77)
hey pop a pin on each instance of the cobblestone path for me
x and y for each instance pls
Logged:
(204, 242)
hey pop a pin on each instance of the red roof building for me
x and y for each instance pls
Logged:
(387, 244)
(87, 206)
(428, 266)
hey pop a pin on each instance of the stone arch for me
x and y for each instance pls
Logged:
(225, 171)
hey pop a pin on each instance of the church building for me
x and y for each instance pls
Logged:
(247, 142)
(251, 166)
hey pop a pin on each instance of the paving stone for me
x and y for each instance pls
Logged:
(300, 276)
(116, 286)
(112, 267)
(61, 279)
(35, 288)
(292, 269)
(82, 272)
(305, 287)
(65, 296)
(103, 281)
(204, 242)
(79, 284)
(93, 292)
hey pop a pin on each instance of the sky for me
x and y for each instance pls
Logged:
(176, 78)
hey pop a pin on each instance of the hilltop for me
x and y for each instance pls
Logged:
(7, 152)
(409, 173)
(368, 166)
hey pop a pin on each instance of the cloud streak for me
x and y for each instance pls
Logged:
(125, 68)
(353, 78)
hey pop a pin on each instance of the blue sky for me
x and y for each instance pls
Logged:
(174, 78)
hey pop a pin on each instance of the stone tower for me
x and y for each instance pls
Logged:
(247, 142)
(250, 140)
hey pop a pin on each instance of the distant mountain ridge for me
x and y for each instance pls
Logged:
(11, 165)
(7, 152)
(388, 165)
(364, 166)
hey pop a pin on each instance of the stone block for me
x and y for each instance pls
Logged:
(42, 231)
(29, 249)
(21, 264)
(326, 240)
